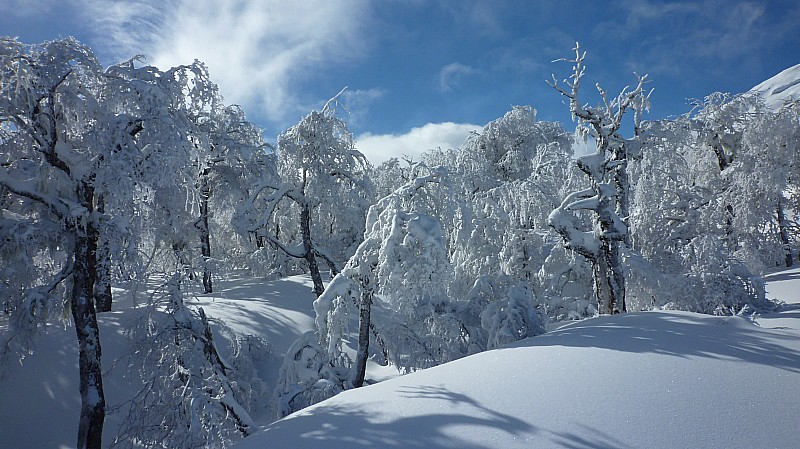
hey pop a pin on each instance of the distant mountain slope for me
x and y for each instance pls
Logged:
(781, 88)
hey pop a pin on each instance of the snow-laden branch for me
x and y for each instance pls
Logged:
(319, 252)
(288, 251)
(61, 207)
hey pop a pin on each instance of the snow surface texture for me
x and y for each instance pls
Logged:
(39, 399)
(652, 379)
(781, 88)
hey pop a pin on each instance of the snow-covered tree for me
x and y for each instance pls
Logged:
(64, 156)
(188, 398)
(324, 183)
(515, 147)
(510, 175)
(680, 222)
(91, 167)
(229, 154)
(402, 267)
(757, 183)
(608, 194)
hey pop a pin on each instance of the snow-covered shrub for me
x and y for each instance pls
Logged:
(721, 285)
(250, 352)
(565, 286)
(187, 399)
(512, 317)
(307, 376)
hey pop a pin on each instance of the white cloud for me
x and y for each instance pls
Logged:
(452, 74)
(381, 147)
(258, 51)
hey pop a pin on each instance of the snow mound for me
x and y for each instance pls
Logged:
(781, 89)
(659, 379)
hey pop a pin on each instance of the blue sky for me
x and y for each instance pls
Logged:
(422, 73)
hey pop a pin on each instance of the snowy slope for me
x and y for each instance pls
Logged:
(657, 379)
(39, 400)
(652, 379)
(781, 88)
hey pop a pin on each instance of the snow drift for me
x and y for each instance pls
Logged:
(660, 379)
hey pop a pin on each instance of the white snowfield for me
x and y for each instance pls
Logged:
(641, 380)
(781, 89)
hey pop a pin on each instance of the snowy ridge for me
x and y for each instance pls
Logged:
(781, 89)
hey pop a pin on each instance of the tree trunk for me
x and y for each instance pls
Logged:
(102, 283)
(364, 321)
(308, 248)
(205, 238)
(623, 186)
(102, 286)
(783, 230)
(723, 159)
(730, 233)
(616, 279)
(609, 279)
(90, 426)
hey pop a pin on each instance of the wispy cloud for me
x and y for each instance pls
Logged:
(478, 16)
(691, 32)
(451, 75)
(23, 8)
(357, 103)
(381, 147)
(259, 51)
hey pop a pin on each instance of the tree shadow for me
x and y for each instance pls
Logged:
(681, 334)
(450, 420)
(597, 440)
(280, 310)
(791, 275)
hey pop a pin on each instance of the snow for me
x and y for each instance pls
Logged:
(41, 401)
(781, 88)
(659, 379)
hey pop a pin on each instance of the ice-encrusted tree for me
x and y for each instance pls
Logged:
(87, 156)
(752, 204)
(62, 151)
(402, 267)
(231, 154)
(189, 397)
(71, 170)
(607, 195)
(324, 182)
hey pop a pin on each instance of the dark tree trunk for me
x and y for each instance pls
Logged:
(616, 280)
(730, 232)
(102, 284)
(783, 230)
(308, 248)
(90, 426)
(723, 159)
(205, 237)
(364, 321)
(609, 279)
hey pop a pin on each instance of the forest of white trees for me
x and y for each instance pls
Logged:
(126, 174)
